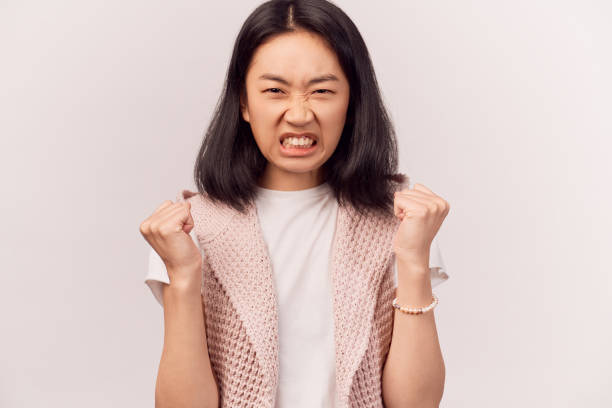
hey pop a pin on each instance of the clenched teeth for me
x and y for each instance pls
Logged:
(298, 141)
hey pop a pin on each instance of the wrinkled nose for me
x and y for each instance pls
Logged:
(298, 109)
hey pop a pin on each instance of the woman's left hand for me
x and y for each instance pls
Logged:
(422, 213)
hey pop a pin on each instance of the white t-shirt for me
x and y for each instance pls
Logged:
(298, 228)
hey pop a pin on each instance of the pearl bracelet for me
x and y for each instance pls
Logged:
(417, 310)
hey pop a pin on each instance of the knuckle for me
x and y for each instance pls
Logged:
(144, 228)
(154, 228)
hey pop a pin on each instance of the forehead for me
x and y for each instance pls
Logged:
(297, 56)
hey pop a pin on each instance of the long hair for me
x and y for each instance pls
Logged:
(362, 169)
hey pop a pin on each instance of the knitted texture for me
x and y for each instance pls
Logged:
(241, 307)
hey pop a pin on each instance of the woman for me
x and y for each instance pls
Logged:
(277, 276)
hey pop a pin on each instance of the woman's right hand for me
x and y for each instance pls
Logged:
(167, 231)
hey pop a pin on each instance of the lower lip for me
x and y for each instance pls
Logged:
(298, 151)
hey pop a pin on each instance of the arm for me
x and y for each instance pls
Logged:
(185, 377)
(413, 374)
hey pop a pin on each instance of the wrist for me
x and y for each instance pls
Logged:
(414, 265)
(185, 280)
(414, 289)
(412, 259)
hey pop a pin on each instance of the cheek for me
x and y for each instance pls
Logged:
(263, 114)
(332, 118)
(262, 119)
(263, 127)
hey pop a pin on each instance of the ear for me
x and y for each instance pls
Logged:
(243, 107)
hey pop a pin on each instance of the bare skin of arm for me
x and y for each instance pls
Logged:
(185, 377)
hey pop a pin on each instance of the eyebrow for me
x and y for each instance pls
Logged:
(313, 81)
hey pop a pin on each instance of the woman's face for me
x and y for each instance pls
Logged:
(295, 84)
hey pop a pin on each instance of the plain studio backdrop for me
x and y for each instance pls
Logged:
(502, 108)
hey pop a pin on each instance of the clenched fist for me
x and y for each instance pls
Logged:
(167, 231)
(421, 212)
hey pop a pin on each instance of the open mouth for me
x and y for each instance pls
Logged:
(297, 142)
(301, 147)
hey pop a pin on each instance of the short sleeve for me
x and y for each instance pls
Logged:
(157, 275)
(437, 268)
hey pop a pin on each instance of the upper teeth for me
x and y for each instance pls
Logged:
(300, 141)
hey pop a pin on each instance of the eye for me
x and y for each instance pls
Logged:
(325, 90)
(270, 89)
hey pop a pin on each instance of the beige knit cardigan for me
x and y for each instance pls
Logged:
(240, 302)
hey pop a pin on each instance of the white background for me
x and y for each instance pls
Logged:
(502, 108)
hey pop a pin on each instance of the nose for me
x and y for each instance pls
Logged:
(299, 110)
